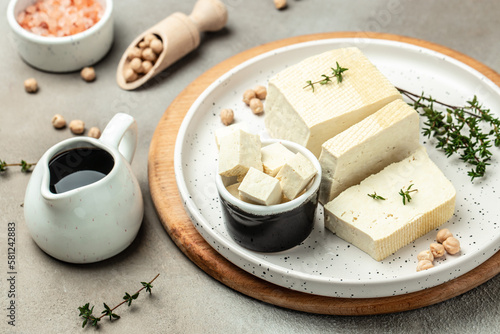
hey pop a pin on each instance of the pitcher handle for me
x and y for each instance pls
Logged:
(121, 133)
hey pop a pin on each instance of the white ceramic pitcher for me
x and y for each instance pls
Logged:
(94, 221)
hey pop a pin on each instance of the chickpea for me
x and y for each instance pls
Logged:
(248, 95)
(149, 38)
(156, 45)
(88, 74)
(77, 126)
(443, 234)
(260, 92)
(256, 106)
(94, 132)
(424, 265)
(425, 255)
(227, 116)
(130, 75)
(58, 121)
(136, 65)
(135, 53)
(143, 45)
(147, 66)
(280, 4)
(148, 54)
(437, 249)
(30, 85)
(451, 245)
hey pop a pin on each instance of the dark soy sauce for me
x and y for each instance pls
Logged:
(78, 167)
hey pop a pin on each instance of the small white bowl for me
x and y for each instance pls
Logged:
(62, 54)
(276, 227)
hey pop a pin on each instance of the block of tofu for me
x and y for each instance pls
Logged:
(387, 136)
(310, 118)
(224, 131)
(274, 157)
(239, 151)
(295, 175)
(381, 227)
(260, 188)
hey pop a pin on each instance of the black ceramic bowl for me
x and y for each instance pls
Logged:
(272, 228)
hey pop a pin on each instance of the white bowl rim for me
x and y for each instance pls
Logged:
(57, 40)
(277, 208)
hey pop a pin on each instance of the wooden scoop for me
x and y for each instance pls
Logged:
(180, 35)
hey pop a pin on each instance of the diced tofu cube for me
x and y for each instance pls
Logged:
(295, 175)
(260, 188)
(274, 157)
(239, 151)
(224, 131)
(233, 190)
(227, 181)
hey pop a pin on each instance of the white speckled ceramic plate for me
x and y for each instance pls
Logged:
(324, 264)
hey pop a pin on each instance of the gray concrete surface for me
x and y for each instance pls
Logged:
(185, 299)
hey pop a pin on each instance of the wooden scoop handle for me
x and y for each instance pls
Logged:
(209, 15)
(181, 33)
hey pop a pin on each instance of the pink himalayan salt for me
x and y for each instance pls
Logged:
(58, 18)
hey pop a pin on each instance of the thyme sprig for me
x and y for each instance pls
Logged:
(89, 318)
(406, 194)
(375, 196)
(25, 166)
(469, 131)
(336, 73)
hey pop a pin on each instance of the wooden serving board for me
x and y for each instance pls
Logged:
(171, 211)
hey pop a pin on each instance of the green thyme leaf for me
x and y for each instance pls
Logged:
(406, 194)
(468, 131)
(89, 318)
(375, 196)
(336, 73)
